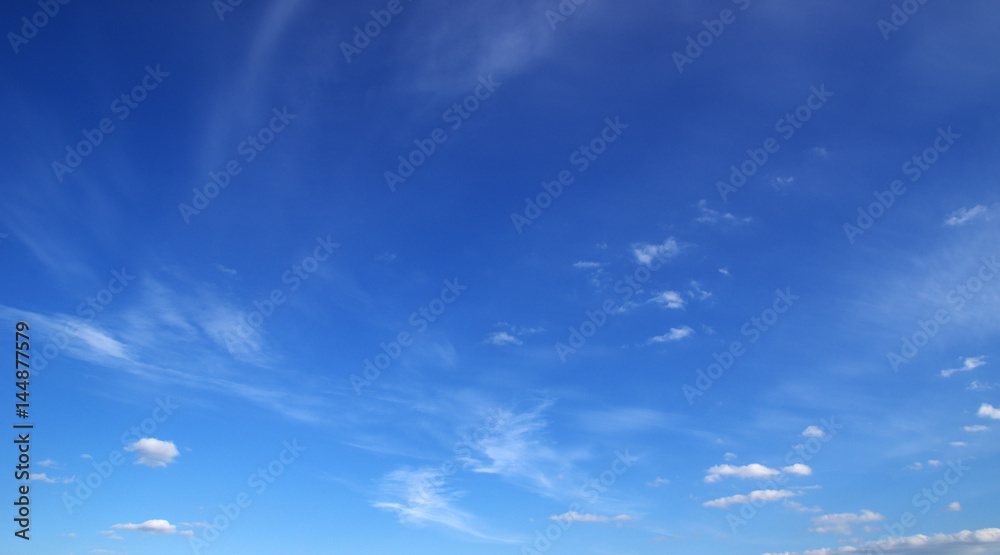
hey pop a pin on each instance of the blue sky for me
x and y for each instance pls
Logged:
(506, 277)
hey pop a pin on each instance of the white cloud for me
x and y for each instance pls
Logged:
(155, 526)
(977, 385)
(988, 411)
(645, 253)
(730, 456)
(958, 444)
(756, 471)
(574, 516)
(968, 364)
(841, 523)
(501, 338)
(584, 265)
(934, 463)
(48, 462)
(111, 535)
(914, 466)
(85, 456)
(963, 216)
(759, 496)
(670, 299)
(42, 477)
(961, 543)
(709, 216)
(977, 428)
(800, 507)
(675, 334)
(955, 507)
(153, 452)
(225, 270)
(724, 271)
(813, 431)
(658, 482)
(798, 469)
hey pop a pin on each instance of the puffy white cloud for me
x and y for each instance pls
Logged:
(799, 469)
(988, 411)
(955, 507)
(645, 253)
(501, 338)
(961, 543)
(156, 526)
(813, 431)
(968, 364)
(675, 334)
(153, 452)
(841, 523)
(669, 299)
(964, 215)
(757, 471)
(759, 496)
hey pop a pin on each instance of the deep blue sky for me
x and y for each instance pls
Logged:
(526, 350)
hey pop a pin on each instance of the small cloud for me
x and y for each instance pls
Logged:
(841, 523)
(758, 471)
(820, 151)
(988, 411)
(955, 507)
(85, 456)
(730, 456)
(798, 469)
(969, 364)
(934, 463)
(70, 535)
(153, 452)
(977, 428)
(669, 299)
(958, 444)
(386, 257)
(724, 271)
(963, 216)
(977, 385)
(755, 497)
(914, 466)
(42, 477)
(186, 532)
(602, 245)
(501, 338)
(225, 270)
(795, 505)
(813, 431)
(645, 252)
(48, 462)
(658, 482)
(709, 216)
(111, 535)
(156, 526)
(574, 516)
(697, 292)
(780, 183)
(582, 265)
(675, 334)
